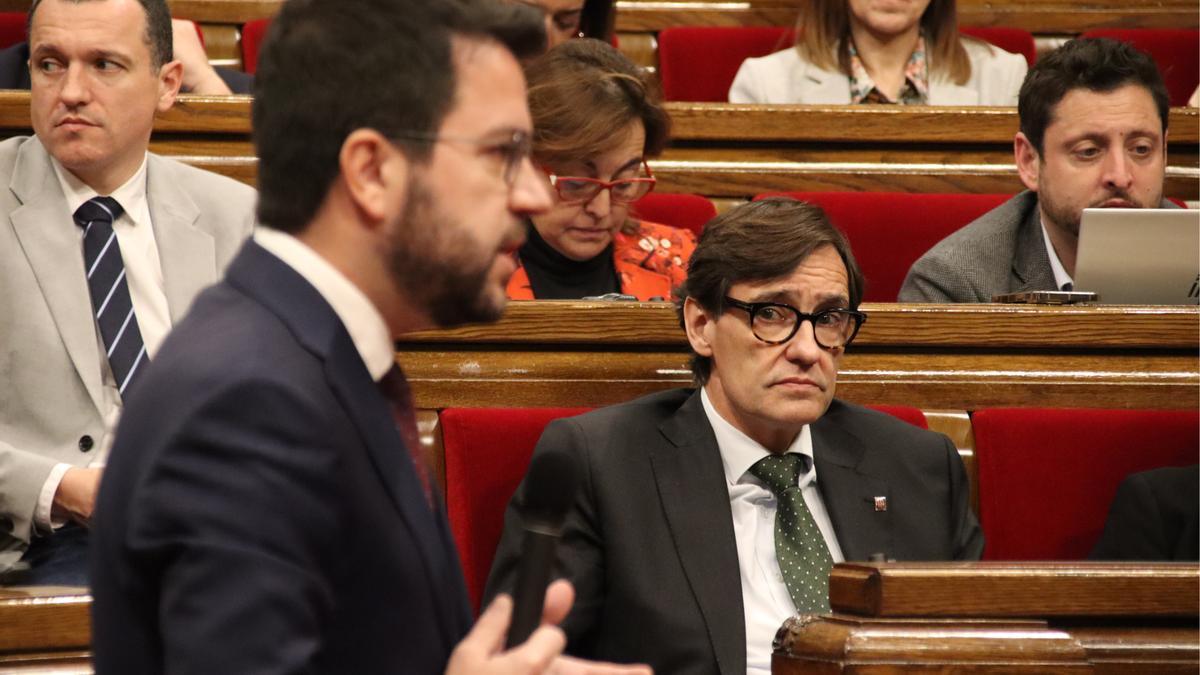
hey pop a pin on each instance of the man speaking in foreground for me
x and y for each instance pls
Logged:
(264, 510)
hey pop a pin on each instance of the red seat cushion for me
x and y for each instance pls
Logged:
(253, 33)
(487, 453)
(888, 231)
(685, 211)
(1047, 477)
(1174, 50)
(698, 63)
(913, 416)
(1015, 40)
(12, 28)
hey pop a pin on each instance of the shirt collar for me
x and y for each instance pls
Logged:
(1061, 278)
(739, 452)
(131, 195)
(362, 320)
(916, 79)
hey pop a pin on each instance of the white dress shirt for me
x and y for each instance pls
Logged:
(765, 597)
(1062, 280)
(143, 273)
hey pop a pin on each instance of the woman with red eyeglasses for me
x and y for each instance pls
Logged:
(596, 117)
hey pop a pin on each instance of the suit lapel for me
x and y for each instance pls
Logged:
(186, 253)
(283, 291)
(849, 492)
(1031, 262)
(823, 86)
(691, 484)
(53, 246)
(372, 415)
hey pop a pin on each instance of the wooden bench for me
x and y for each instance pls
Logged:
(730, 153)
(1000, 618)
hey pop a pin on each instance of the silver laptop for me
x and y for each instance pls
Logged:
(1139, 256)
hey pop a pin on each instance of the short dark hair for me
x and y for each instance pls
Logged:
(329, 67)
(1097, 64)
(158, 29)
(761, 240)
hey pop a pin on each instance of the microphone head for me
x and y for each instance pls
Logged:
(550, 487)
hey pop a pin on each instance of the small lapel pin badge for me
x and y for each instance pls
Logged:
(881, 503)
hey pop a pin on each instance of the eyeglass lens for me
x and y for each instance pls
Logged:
(832, 327)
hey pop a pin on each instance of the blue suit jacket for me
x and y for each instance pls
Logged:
(260, 512)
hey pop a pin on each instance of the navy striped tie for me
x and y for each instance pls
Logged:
(110, 291)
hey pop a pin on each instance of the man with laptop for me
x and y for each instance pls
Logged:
(1093, 132)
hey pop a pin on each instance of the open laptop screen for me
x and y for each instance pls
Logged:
(1139, 256)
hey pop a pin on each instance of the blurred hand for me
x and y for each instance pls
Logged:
(76, 495)
(482, 650)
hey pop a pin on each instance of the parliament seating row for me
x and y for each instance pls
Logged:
(729, 153)
(1044, 477)
(698, 63)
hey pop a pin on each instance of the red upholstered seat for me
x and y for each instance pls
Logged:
(253, 33)
(1048, 476)
(487, 452)
(12, 28)
(685, 211)
(888, 231)
(1015, 40)
(698, 63)
(1174, 50)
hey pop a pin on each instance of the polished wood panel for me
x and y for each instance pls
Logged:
(45, 629)
(1052, 16)
(1006, 589)
(1000, 618)
(959, 357)
(733, 152)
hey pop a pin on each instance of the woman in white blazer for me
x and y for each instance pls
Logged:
(881, 42)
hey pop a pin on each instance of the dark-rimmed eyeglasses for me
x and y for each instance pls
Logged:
(512, 150)
(579, 190)
(776, 323)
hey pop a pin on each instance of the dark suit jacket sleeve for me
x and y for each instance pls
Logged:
(968, 536)
(1153, 517)
(580, 552)
(237, 81)
(241, 516)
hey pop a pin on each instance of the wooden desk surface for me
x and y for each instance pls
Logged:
(961, 357)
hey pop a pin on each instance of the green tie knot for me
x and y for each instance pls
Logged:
(779, 472)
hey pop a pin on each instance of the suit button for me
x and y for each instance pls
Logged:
(85, 443)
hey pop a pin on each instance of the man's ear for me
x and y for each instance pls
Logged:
(699, 327)
(1028, 161)
(374, 172)
(170, 79)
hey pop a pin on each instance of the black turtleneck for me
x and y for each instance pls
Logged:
(554, 276)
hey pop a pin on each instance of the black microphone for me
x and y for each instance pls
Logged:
(550, 488)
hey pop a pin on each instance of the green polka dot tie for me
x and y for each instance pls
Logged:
(803, 556)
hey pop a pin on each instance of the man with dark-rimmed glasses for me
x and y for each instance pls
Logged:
(711, 515)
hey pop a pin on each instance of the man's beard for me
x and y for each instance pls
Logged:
(438, 265)
(1068, 219)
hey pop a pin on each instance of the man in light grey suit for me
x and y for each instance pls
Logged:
(1093, 134)
(102, 248)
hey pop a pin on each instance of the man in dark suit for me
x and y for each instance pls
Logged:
(1155, 515)
(1093, 135)
(265, 509)
(708, 517)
